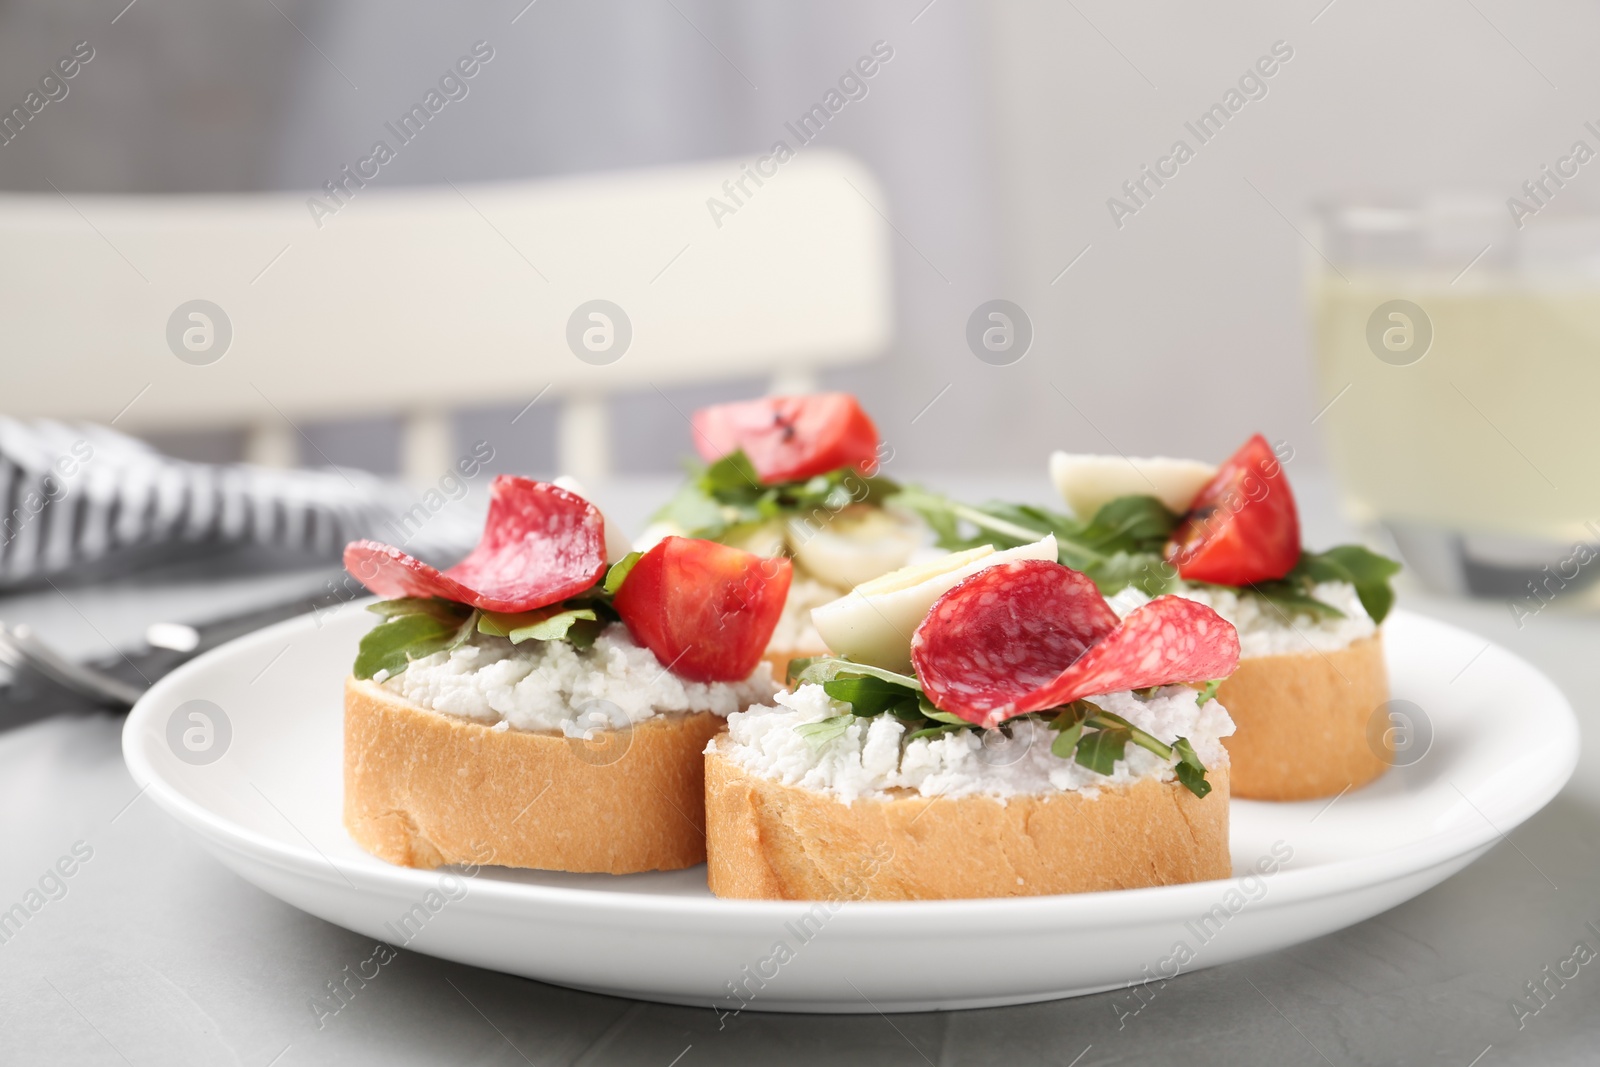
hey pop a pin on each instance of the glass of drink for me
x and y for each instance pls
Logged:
(1457, 341)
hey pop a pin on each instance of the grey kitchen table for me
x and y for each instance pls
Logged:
(151, 952)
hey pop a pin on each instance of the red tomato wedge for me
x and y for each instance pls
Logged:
(1031, 635)
(540, 545)
(1243, 527)
(706, 610)
(789, 438)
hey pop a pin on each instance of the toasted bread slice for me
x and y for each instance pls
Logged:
(1302, 722)
(422, 789)
(767, 840)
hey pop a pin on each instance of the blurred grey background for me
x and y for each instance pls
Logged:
(999, 132)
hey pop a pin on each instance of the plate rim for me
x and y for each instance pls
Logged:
(1120, 906)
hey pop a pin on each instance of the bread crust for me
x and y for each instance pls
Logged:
(1301, 722)
(423, 789)
(766, 840)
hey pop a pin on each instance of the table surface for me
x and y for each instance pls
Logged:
(153, 952)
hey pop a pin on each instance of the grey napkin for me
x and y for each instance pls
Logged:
(76, 496)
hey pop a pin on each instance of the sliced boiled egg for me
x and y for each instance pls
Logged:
(1087, 482)
(854, 545)
(873, 623)
(617, 544)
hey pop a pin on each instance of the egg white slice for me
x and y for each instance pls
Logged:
(873, 623)
(856, 545)
(1088, 482)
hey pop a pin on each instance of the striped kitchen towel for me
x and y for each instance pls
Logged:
(81, 495)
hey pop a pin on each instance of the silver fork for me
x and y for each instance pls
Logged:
(19, 648)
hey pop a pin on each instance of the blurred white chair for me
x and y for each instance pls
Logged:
(419, 301)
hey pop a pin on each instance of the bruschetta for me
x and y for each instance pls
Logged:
(544, 702)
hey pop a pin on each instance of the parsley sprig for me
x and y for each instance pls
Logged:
(415, 627)
(727, 498)
(1121, 546)
(1125, 542)
(1086, 733)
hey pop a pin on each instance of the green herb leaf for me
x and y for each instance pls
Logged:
(438, 608)
(1191, 772)
(1367, 571)
(720, 499)
(391, 645)
(732, 475)
(937, 731)
(925, 706)
(1130, 524)
(1288, 598)
(820, 733)
(1105, 720)
(872, 696)
(618, 573)
(1146, 571)
(694, 512)
(1100, 750)
(818, 669)
(1208, 692)
(1122, 545)
(553, 623)
(1066, 741)
(1193, 780)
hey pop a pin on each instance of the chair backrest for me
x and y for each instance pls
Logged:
(418, 301)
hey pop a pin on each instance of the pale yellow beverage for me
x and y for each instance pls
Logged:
(1495, 428)
(1461, 394)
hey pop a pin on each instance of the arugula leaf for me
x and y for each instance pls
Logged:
(697, 514)
(1066, 740)
(1187, 755)
(1290, 598)
(728, 494)
(872, 696)
(1086, 732)
(818, 669)
(1130, 524)
(392, 644)
(618, 573)
(436, 607)
(1099, 751)
(937, 731)
(732, 475)
(820, 733)
(1361, 567)
(1146, 571)
(553, 623)
(1122, 545)
(1208, 692)
(997, 524)
(930, 712)
(1190, 771)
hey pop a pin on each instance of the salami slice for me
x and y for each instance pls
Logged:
(1004, 632)
(1022, 638)
(1167, 640)
(540, 545)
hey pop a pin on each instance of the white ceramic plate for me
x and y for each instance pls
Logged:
(268, 805)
